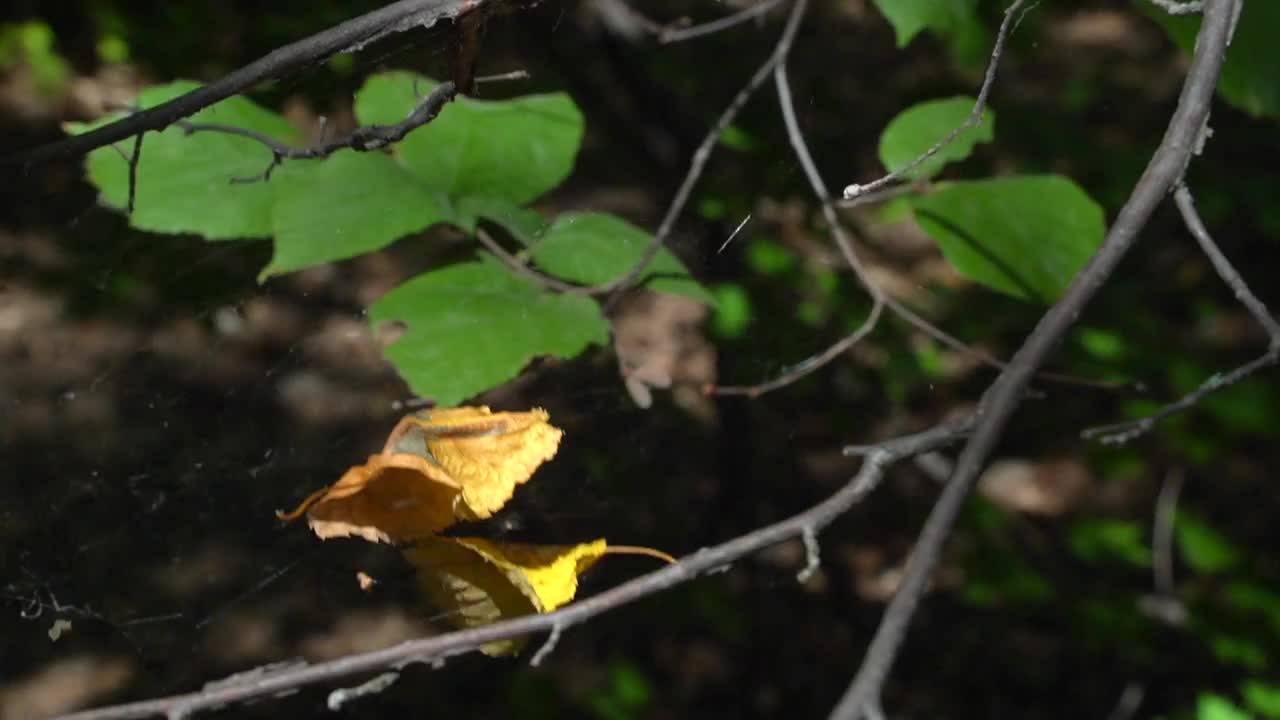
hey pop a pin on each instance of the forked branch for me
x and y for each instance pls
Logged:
(1000, 400)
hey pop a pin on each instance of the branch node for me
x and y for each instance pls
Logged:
(342, 696)
(548, 646)
(812, 554)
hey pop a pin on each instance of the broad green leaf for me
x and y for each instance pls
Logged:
(474, 160)
(1216, 707)
(1025, 236)
(185, 181)
(475, 325)
(1098, 540)
(922, 125)
(1202, 547)
(349, 204)
(1262, 698)
(1250, 76)
(593, 248)
(909, 17)
(514, 150)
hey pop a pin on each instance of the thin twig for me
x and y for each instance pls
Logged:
(846, 246)
(362, 139)
(439, 647)
(1129, 702)
(697, 165)
(1123, 432)
(806, 366)
(1005, 394)
(522, 267)
(1162, 533)
(1173, 7)
(134, 158)
(637, 23)
(845, 243)
(347, 36)
(680, 34)
(1011, 17)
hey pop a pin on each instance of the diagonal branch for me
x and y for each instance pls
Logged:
(1123, 432)
(345, 37)
(271, 681)
(998, 403)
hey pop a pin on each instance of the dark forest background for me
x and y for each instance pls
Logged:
(157, 404)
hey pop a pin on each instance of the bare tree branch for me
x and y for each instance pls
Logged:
(633, 23)
(345, 37)
(1173, 7)
(362, 139)
(1123, 432)
(845, 243)
(697, 165)
(1011, 17)
(1005, 394)
(271, 681)
(675, 35)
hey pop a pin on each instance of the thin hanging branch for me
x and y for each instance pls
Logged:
(1123, 432)
(348, 36)
(1012, 16)
(1000, 400)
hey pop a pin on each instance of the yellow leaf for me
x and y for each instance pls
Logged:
(479, 581)
(487, 453)
(392, 498)
(437, 467)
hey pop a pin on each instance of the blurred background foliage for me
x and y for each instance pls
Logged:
(157, 404)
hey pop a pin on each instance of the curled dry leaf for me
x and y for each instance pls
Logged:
(487, 453)
(438, 466)
(477, 581)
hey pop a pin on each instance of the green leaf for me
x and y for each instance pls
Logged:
(514, 150)
(1262, 698)
(525, 224)
(475, 160)
(909, 17)
(185, 182)
(733, 310)
(1202, 547)
(1244, 650)
(1025, 236)
(475, 325)
(1250, 77)
(1251, 597)
(768, 257)
(1098, 540)
(1216, 707)
(352, 203)
(919, 127)
(593, 248)
(1103, 344)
